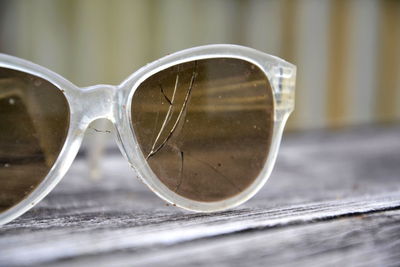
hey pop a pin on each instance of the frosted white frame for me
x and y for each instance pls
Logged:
(114, 103)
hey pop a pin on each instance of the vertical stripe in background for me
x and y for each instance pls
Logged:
(175, 26)
(262, 29)
(338, 65)
(39, 40)
(289, 15)
(362, 55)
(214, 22)
(91, 42)
(132, 36)
(397, 67)
(8, 31)
(311, 52)
(388, 89)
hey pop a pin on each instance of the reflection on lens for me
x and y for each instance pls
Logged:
(205, 126)
(34, 120)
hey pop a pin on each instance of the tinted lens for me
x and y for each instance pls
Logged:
(205, 126)
(34, 120)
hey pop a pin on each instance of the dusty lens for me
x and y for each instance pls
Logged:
(205, 126)
(34, 119)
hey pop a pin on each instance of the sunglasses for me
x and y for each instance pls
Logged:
(201, 127)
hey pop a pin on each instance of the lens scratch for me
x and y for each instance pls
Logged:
(181, 173)
(178, 119)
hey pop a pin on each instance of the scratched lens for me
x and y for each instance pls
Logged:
(205, 126)
(34, 120)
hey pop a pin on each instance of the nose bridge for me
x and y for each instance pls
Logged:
(98, 102)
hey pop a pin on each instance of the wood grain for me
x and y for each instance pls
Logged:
(333, 198)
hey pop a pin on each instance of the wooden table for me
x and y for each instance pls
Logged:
(333, 199)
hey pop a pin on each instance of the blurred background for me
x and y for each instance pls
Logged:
(347, 52)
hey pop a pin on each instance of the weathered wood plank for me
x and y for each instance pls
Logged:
(367, 240)
(319, 178)
(67, 237)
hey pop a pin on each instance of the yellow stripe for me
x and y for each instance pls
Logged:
(389, 67)
(337, 104)
(287, 43)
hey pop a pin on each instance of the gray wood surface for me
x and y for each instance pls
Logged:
(333, 199)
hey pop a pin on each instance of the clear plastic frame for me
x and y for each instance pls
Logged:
(114, 103)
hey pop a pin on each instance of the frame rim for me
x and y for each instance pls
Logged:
(132, 151)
